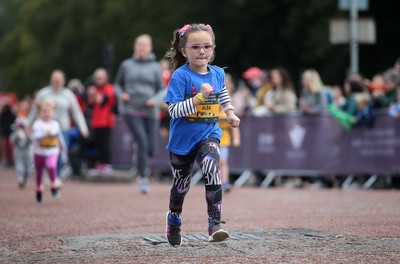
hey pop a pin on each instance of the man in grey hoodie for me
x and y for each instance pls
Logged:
(141, 90)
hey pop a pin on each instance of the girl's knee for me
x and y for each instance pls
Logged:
(52, 168)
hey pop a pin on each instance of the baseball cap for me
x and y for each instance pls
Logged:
(252, 72)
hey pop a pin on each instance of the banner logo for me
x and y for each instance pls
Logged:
(296, 135)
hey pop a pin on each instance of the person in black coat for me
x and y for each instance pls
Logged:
(7, 118)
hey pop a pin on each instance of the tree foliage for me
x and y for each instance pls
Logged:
(38, 36)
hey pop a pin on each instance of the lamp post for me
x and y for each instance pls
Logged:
(354, 60)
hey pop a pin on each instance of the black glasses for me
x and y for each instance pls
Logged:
(197, 48)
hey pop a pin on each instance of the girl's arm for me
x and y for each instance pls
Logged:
(233, 120)
(235, 133)
(35, 132)
(188, 106)
(184, 108)
(229, 109)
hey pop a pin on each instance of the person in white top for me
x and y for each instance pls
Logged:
(67, 108)
(48, 141)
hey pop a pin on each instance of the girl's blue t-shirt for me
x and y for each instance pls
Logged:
(184, 135)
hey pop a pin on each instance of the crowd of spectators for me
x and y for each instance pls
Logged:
(258, 93)
(266, 92)
(263, 92)
(87, 112)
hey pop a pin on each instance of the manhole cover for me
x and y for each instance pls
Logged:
(158, 239)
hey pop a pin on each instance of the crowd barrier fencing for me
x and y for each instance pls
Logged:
(294, 144)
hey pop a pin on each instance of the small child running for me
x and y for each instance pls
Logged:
(22, 151)
(48, 141)
(230, 137)
(195, 92)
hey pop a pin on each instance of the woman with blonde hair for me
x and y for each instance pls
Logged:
(314, 97)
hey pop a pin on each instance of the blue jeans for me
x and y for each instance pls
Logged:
(145, 132)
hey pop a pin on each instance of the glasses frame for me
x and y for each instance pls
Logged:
(194, 47)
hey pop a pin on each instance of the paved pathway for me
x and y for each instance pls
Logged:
(102, 222)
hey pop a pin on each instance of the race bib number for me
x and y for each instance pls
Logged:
(49, 142)
(206, 112)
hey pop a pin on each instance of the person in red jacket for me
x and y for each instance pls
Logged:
(101, 98)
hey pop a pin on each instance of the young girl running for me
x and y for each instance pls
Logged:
(195, 91)
(47, 142)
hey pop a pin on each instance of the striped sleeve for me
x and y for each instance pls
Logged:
(182, 108)
(224, 96)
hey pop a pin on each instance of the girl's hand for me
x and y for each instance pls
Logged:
(233, 120)
(206, 89)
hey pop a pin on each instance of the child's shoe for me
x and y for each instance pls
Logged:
(216, 232)
(39, 196)
(173, 229)
(58, 183)
(55, 193)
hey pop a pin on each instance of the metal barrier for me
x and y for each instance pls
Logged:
(308, 145)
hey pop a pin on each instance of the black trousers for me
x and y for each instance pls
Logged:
(102, 138)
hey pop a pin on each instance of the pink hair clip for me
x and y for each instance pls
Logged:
(207, 26)
(183, 29)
